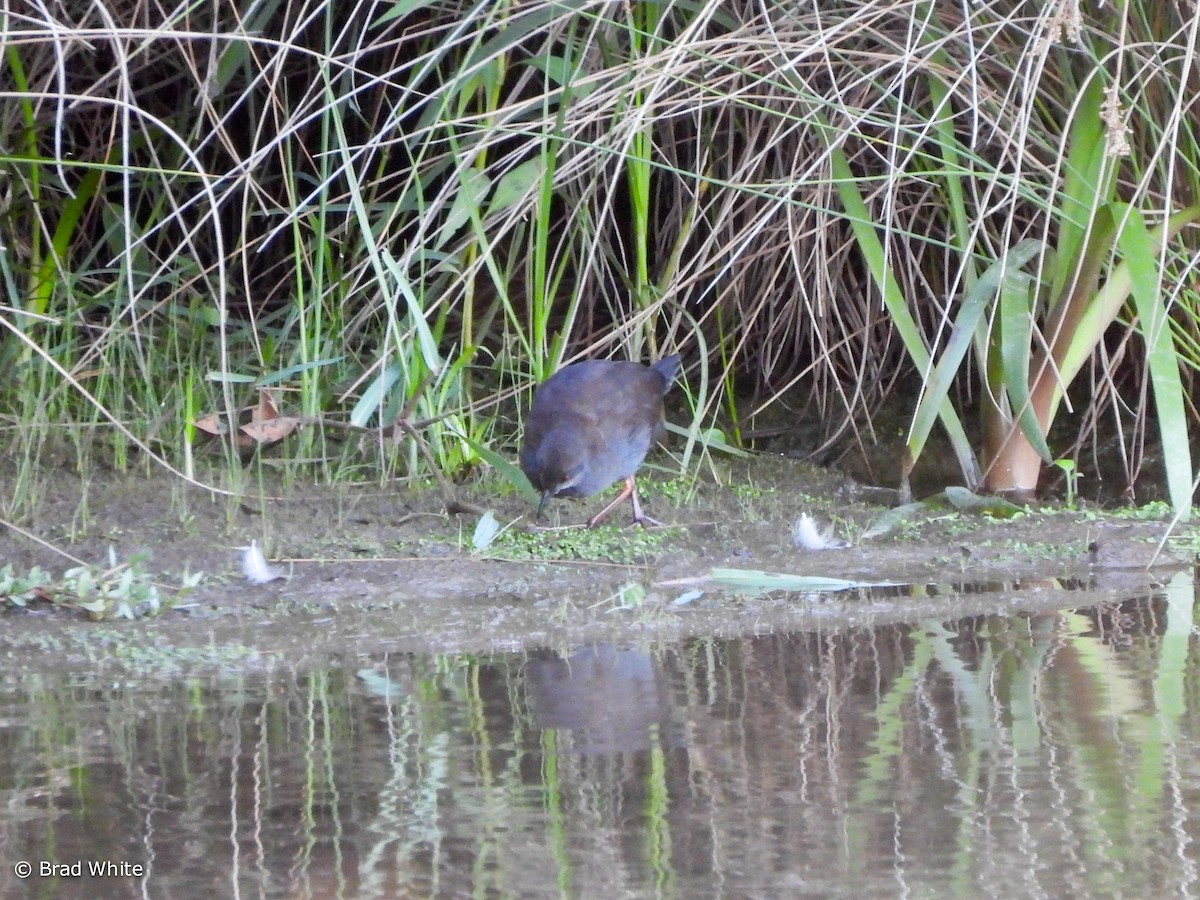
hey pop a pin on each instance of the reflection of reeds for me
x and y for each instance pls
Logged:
(430, 207)
(1053, 751)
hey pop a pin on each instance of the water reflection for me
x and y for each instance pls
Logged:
(1050, 754)
(605, 699)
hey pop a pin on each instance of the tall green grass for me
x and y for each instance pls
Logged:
(401, 216)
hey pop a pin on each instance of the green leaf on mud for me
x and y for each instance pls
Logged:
(954, 497)
(968, 501)
(757, 580)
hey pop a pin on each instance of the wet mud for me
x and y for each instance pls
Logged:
(372, 568)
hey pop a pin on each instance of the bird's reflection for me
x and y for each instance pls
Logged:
(611, 699)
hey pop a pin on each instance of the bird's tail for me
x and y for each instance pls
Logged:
(668, 367)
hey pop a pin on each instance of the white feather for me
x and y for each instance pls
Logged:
(254, 565)
(806, 534)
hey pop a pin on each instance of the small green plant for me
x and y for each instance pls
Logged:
(1186, 542)
(677, 490)
(21, 590)
(123, 590)
(624, 546)
(750, 491)
(1155, 509)
(1072, 474)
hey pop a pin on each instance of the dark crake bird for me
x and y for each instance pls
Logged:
(591, 424)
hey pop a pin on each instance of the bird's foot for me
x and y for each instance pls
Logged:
(646, 522)
(639, 515)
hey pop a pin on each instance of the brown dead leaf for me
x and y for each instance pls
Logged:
(212, 423)
(271, 430)
(267, 408)
(264, 424)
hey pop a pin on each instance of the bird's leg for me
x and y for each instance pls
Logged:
(639, 517)
(628, 490)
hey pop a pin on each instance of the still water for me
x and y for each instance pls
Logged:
(1037, 754)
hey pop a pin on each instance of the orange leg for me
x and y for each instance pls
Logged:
(628, 490)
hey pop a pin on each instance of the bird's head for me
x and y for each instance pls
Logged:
(557, 468)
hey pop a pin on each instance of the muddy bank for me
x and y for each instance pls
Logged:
(373, 568)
